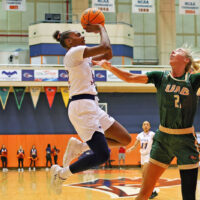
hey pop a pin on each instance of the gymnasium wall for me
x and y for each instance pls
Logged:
(43, 125)
(46, 50)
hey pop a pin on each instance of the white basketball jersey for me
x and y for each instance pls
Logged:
(146, 140)
(81, 76)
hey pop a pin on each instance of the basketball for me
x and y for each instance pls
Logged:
(92, 16)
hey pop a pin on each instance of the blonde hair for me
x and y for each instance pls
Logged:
(193, 64)
(196, 66)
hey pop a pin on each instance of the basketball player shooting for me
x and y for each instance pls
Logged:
(94, 126)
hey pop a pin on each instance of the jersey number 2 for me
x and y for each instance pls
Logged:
(177, 101)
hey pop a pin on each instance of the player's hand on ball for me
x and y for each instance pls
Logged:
(94, 28)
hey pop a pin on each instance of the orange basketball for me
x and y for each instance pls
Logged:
(92, 16)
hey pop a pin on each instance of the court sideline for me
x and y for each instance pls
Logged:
(90, 185)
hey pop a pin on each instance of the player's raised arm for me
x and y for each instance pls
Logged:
(101, 51)
(125, 76)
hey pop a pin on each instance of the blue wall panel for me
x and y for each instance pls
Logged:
(56, 49)
(132, 109)
(41, 120)
(129, 109)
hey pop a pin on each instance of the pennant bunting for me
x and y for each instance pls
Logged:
(50, 94)
(19, 93)
(35, 93)
(4, 93)
(65, 95)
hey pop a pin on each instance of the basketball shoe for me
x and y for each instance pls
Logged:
(154, 194)
(73, 150)
(56, 180)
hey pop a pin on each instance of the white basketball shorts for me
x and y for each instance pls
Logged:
(145, 159)
(87, 117)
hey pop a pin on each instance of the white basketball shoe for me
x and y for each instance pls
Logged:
(73, 150)
(56, 180)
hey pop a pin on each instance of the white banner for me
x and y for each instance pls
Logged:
(10, 75)
(14, 5)
(46, 75)
(112, 78)
(189, 7)
(143, 6)
(104, 5)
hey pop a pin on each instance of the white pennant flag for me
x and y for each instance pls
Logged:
(35, 93)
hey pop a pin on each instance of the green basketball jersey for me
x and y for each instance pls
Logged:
(176, 98)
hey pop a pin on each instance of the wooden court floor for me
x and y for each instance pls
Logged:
(91, 185)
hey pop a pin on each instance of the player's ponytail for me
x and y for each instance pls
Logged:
(57, 35)
(196, 66)
(60, 37)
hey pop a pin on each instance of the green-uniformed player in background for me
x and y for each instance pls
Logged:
(176, 93)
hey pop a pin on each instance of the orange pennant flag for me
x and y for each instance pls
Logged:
(50, 94)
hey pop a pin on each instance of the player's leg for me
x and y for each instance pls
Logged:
(18, 163)
(144, 159)
(55, 159)
(50, 160)
(100, 155)
(46, 162)
(119, 158)
(22, 163)
(84, 115)
(158, 163)
(73, 149)
(189, 183)
(3, 162)
(151, 174)
(30, 163)
(144, 164)
(6, 161)
(188, 161)
(123, 155)
(115, 133)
